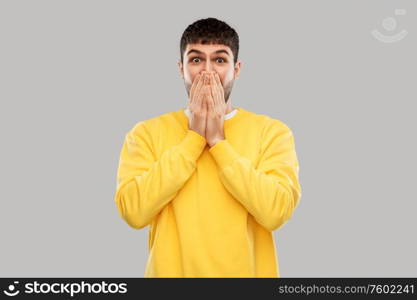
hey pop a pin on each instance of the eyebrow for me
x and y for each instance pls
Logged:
(199, 52)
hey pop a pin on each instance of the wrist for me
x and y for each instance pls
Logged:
(214, 142)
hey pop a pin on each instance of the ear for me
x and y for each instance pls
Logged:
(237, 69)
(181, 69)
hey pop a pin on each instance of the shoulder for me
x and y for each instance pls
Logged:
(275, 134)
(151, 125)
(268, 123)
(276, 125)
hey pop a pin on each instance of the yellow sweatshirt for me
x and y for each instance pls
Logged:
(211, 211)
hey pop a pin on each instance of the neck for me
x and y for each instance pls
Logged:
(229, 108)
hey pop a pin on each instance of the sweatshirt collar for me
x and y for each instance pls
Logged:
(226, 116)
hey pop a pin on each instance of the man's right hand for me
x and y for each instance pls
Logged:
(197, 105)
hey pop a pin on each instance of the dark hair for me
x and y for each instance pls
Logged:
(210, 31)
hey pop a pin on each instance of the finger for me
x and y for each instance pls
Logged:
(197, 86)
(205, 88)
(213, 88)
(199, 97)
(219, 82)
(205, 108)
(202, 97)
(206, 79)
(210, 104)
(196, 80)
(197, 92)
(219, 89)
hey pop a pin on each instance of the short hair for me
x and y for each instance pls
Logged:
(210, 31)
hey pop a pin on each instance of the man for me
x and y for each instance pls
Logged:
(213, 181)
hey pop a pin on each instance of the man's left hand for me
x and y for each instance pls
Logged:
(216, 110)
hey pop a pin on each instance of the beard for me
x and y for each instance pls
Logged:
(227, 89)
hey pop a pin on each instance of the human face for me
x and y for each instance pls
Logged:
(209, 57)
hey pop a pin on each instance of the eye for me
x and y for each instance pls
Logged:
(193, 59)
(223, 60)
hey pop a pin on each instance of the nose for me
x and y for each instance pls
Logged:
(208, 66)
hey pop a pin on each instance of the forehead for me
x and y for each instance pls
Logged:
(208, 49)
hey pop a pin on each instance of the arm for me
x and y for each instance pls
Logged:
(145, 185)
(271, 191)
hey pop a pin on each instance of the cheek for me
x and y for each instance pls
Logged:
(226, 78)
(189, 75)
(188, 79)
(187, 72)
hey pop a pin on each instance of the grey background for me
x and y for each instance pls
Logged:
(75, 76)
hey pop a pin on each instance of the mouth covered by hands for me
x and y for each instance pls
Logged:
(208, 106)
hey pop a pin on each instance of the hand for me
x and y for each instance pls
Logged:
(216, 110)
(197, 107)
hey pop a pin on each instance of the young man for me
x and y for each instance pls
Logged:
(213, 181)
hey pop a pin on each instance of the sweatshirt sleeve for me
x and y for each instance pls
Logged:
(271, 191)
(145, 185)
